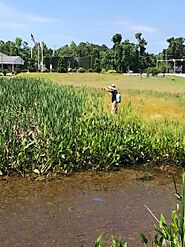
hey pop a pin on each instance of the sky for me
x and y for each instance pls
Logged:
(59, 22)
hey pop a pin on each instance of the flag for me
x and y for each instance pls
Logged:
(32, 38)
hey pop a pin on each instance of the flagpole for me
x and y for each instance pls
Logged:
(33, 39)
(42, 54)
(38, 54)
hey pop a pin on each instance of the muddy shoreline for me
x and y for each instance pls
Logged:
(73, 210)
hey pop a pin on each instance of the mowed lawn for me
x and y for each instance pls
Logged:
(155, 98)
(122, 81)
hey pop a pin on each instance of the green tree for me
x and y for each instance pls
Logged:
(18, 42)
(176, 47)
(97, 65)
(141, 51)
(62, 66)
(118, 52)
(175, 50)
(117, 38)
(129, 58)
(107, 60)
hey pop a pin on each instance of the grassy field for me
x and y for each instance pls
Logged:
(123, 82)
(155, 98)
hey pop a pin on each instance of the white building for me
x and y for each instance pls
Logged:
(10, 61)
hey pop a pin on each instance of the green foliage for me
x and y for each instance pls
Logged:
(117, 38)
(80, 70)
(163, 69)
(32, 67)
(152, 71)
(62, 67)
(90, 70)
(51, 128)
(97, 66)
(114, 242)
(111, 71)
(123, 56)
(118, 54)
(99, 241)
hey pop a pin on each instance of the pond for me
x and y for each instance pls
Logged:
(73, 210)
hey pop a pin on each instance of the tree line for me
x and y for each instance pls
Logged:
(123, 56)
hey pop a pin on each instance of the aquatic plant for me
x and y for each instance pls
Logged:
(170, 234)
(113, 241)
(48, 128)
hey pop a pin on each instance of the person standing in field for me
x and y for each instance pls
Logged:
(112, 89)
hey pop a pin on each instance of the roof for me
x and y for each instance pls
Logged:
(4, 59)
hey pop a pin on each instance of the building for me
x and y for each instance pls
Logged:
(9, 62)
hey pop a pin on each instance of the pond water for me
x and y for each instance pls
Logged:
(73, 210)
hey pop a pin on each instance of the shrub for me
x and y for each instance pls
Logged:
(61, 70)
(90, 70)
(152, 71)
(5, 71)
(111, 71)
(103, 71)
(53, 70)
(81, 70)
(45, 70)
(97, 65)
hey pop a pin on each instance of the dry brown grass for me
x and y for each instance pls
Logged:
(157, 109)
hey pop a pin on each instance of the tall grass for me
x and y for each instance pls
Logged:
(50, 128)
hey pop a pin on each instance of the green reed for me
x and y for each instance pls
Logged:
(50, 128)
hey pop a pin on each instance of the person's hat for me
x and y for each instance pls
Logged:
(113, 85)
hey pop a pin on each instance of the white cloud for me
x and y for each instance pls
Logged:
(134, 26)
(63, 37)
(41, 19)
(142, 28)
(16, 25)
(10, 12)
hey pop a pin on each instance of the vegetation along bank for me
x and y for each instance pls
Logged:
(47, 128)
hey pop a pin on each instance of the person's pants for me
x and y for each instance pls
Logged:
(114, 107)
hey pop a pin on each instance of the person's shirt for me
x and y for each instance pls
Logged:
(114, 92)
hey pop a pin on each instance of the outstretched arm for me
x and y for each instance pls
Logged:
(107, 89)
